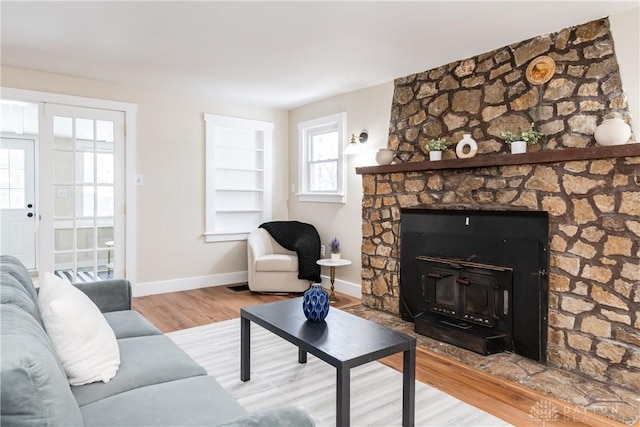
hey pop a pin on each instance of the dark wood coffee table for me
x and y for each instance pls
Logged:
(342, 340)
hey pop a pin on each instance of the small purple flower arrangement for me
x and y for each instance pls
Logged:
(334, 247)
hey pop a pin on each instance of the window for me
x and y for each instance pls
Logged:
(12, 190)
(238, 183)
(321, 167)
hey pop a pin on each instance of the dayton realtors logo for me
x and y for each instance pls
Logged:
(544, 411)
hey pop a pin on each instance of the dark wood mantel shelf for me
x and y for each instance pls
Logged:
(487, 160)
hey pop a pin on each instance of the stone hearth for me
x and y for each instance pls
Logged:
(582, 394)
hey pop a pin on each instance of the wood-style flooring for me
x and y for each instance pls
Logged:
(504, 399)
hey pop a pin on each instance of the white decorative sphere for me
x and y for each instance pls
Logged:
(384, 156)
(612, 132)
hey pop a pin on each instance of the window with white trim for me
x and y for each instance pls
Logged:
(321, 165)
(238, 176)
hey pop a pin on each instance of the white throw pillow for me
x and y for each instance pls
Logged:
(84, 341)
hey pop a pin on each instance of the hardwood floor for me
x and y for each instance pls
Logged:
(179, 310)
(509, 401)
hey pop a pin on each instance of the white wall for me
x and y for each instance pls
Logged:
(368, 109)
(170, 155)
(625, 29)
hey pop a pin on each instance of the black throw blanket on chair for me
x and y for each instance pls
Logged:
(304, 240)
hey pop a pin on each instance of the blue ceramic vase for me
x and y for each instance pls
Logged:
(315, 303)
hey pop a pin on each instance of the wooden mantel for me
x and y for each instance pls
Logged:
(546, 156)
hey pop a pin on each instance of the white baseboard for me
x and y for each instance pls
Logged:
(188, 283)
(348, 288)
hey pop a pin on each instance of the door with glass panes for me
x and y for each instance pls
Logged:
(87, 192)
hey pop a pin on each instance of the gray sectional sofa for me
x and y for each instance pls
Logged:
(157, 383)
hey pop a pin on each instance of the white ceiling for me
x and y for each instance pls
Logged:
(274, 54)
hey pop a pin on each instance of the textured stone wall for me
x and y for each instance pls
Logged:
(489, 94)
(594, 206)
(594, 214)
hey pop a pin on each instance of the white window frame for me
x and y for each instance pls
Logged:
(306, 130)
(214, 231)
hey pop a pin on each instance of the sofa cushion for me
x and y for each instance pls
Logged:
(198, 401)
(277, 262)
(129, 323)
(108, 295)
(15, 268)
(34, 389)
(13, 292)
(84, 341)
(145, 361)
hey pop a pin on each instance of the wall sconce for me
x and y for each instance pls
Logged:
(355, 146)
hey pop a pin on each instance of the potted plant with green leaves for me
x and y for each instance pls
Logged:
(519, 141)
(334, 247)
(436, 147)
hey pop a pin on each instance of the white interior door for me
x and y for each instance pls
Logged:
(17, 200)
(85, 206)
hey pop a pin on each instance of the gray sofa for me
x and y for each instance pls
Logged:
(157, 383)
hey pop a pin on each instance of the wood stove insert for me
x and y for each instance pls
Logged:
(477, 279)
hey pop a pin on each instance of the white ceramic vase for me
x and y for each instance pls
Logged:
(335, 257)
(467, 147)
(384, 156)
(613, 131)
(518, 147)
(435, 155)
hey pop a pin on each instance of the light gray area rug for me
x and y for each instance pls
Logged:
(278, 379)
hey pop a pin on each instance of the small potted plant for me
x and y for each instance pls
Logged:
(334, 247)
(519, 141)
(436, 147)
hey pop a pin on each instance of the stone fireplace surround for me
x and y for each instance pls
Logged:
(594, 282)
(594, 230)
(592, 194)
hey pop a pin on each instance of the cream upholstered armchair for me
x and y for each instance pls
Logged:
(272, 268)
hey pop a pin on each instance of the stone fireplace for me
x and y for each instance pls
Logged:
(590, 194)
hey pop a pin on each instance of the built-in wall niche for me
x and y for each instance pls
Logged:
(238, 188)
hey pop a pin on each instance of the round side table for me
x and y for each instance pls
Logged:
(326, 262)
